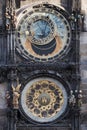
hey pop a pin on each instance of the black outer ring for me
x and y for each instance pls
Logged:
(51, 74)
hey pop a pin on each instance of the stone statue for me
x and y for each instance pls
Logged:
(16, 95)
(72, 99)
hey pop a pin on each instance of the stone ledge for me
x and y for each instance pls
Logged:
(45, 128)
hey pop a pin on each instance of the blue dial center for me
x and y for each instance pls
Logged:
(41, 29)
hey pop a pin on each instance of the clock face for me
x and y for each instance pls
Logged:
(43, 99)
(43, 34)
(41, 30)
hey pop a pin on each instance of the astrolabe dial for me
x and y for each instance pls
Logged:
(40, 29)
(43, 34)
(44, 99)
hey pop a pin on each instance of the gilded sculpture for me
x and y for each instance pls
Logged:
(16, 95)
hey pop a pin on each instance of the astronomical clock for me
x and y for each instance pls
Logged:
(43, 33)
(42, 60)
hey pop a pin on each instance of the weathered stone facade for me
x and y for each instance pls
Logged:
(83, 54)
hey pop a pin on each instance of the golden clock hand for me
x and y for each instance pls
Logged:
(39, 27)
(45, 28)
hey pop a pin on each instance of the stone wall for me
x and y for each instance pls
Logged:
(83, 53)
(83, 68)
(3, 106)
